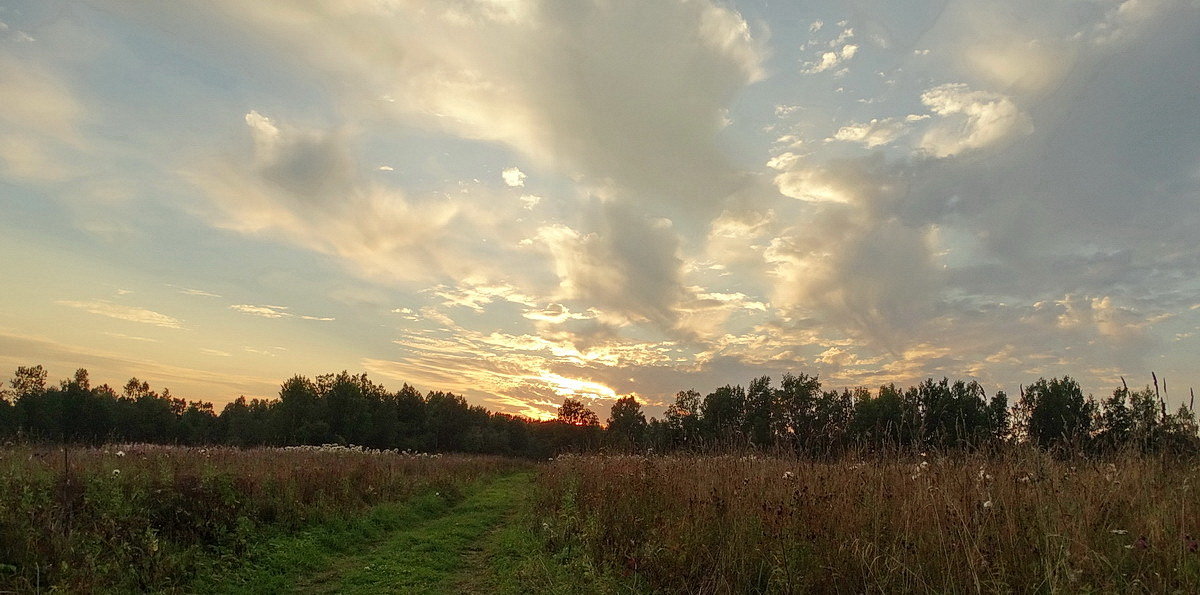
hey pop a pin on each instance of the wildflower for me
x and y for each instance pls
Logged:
(120, 453)
(116, 473)
(788, 475)
(1119, 531)
(987, 504)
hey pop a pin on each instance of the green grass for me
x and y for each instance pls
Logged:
(485, 540)
(423, 545)
(515, 558)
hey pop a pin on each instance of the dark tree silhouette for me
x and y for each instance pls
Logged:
(627, 424)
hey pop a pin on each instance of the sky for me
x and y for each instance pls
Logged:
(526, 200)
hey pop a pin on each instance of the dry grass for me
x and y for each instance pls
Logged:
(1018, 522)
(146, 517)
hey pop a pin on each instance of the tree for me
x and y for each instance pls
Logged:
(760, 412)
(346, 398)
(446, 420)
(683, 418)
(572, 412)
(880, 421)
(627, 423)
(29, 381)
(299, 416)
(955, 415)
(1056, 412)
(797, 420)
(723, 413)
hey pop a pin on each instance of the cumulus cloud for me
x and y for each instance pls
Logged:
(831, 59)
(625, 262)
(528, 201)
(612, 117)
(970, 119)
(513, 177)
(875, 133)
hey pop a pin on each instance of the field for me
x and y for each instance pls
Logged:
(334, 519)
(1021, 522)
(145, 517)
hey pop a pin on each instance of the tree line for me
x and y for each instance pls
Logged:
(798, 415)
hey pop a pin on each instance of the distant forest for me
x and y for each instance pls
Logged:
(797, 416)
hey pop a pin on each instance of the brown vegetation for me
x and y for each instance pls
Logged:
(1022, 521)
(145, 517)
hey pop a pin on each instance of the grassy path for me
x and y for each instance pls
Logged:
(423, 546)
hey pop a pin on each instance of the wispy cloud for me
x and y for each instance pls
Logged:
(274, 312)
(130, 337)
(123, 312)
(196, 292)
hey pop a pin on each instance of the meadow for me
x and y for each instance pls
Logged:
(154, 518)
(331, 518)
(1020, 521)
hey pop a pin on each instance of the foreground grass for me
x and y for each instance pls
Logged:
(138, 518)
(1022, 522)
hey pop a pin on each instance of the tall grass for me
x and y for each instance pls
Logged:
(1022, 521)
(144, 517)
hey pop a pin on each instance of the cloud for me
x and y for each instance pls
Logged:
(130, 337)
(612, 117)
(836, 56)
(302, 187)
(970, 119)
(875, 133)
(831, 59)
(122, 312)
(528, 201)
(39, 122)
(476, 292)
(626, 263)
(273, 312)
(556, 313)
(1041, 223)
(195, 292)
(513, 177)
